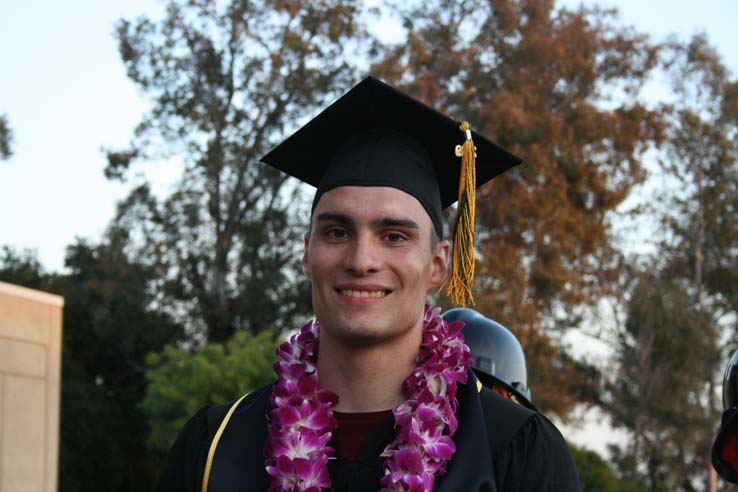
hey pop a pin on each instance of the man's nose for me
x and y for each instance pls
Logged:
(363, 256)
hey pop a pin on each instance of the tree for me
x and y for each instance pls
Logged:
(657, 389)
(180, 382)
(596, 475)
(224, 80)
(109, 328)
(701, 158)
(698, 255)
(560, 89)
(22, 269)
(679, 302)
(6, 138)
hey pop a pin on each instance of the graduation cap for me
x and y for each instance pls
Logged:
(375, 135)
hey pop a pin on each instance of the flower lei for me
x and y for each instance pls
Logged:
(301, 421)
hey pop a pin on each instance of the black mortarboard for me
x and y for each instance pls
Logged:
(375, 135)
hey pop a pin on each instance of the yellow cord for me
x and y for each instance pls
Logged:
(214, 444)
(461, 279)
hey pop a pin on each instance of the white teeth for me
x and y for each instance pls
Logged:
(362, 293)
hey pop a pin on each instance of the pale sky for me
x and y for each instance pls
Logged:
(66, 95)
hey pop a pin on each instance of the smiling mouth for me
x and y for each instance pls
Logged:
(363, 293)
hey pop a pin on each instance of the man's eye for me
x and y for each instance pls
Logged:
(336, 233)
(395, 237)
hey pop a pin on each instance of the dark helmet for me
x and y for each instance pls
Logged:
(725, 447)
(497, 357)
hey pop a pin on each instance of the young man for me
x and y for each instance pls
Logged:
(375, 394)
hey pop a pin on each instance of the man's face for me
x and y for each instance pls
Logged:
(371, 261)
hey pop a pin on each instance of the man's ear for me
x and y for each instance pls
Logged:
(441, 253)
(305, 263)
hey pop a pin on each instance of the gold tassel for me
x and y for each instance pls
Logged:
(460, 281)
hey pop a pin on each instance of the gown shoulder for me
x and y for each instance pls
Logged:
(183, 467)
(185, 464)
(529, 453)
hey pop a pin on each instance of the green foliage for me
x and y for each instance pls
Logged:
(596, 475)
(21, 268)
(668, 354)
(109, 329)
(180, 382)
(660, 385)
(701, 243)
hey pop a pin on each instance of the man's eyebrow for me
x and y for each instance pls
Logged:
(381, 223)
(335, 217)
(394, 222)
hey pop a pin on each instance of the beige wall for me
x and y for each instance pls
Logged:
(30, 371)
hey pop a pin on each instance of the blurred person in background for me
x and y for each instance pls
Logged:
(725, 447)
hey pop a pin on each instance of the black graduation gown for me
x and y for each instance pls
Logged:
(500, 447)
